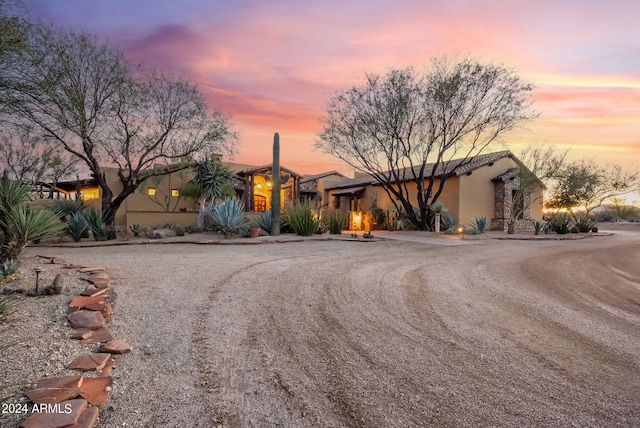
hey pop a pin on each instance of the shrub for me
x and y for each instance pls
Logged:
(76, 227)
(605, 215)
(244, 230)
(227, 216)
(585, 223)
(451, 231)
(9, 267)
(574, 229)
(335, 221)
(560, 223)
(178, 229)
(439, 207)
(472, 232)
(67, 208)
(480, 224)
(302, 219)
(537, 227)
(136, 229)
(594, 229)
(193, 229)
(98, 226)
(447, 221)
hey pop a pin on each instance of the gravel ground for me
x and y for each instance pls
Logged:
(331, 333)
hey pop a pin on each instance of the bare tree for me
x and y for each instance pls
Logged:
(84, 95)
(407, 129)
(32, 161)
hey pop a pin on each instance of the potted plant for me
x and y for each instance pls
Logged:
(254, 232)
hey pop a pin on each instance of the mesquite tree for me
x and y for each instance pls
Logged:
(405, 128)
(86, 97)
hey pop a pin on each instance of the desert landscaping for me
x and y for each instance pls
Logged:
(353, 333)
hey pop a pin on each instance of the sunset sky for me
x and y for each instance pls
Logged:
(273, 64)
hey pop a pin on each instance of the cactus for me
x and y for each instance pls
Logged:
(277, 179)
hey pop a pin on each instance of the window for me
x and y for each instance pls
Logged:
(151, 191)
(260, 203)
(175, 193)
(90, 193)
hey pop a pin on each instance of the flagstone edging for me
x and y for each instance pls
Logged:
(76, 400)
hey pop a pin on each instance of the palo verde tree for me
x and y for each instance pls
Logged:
(410, 131)
(538, 166)
(586, 185)
(86, 97)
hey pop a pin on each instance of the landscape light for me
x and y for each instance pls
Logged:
(37, 271)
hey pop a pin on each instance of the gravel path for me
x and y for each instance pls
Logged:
(500, 333)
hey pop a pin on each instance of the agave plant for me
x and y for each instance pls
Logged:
(97, 223)
(480, 224)
(264, 221)
(77, 227)
(228, 215)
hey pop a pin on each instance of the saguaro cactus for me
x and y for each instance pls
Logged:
(277, 180)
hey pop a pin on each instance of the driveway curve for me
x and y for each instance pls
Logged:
(338, 333)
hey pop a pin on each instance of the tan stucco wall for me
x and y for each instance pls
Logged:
(449, 197)
(154, 218)
(537, 204)
(477, 191)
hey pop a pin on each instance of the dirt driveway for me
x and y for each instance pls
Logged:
(398, 334)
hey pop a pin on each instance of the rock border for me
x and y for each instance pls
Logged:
(76, 400)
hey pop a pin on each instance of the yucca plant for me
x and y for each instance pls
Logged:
(302, 220)
(66, 208)
(18, 223)
(27, 225)
(335, 221)
(97, 224)
(228, 215)
(585, 223)
(480, 224)
(561, 223)
(76, 227)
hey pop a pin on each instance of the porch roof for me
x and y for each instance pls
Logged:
(265, 168)
(351, 191)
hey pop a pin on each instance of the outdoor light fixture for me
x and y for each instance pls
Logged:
(37, 271)
(461, 231)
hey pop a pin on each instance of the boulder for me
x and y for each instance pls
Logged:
(162, 233)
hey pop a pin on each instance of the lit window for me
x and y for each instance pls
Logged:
(151, 191)
(175, 192)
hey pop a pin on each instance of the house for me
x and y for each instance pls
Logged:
(483, 187)
(159, 200)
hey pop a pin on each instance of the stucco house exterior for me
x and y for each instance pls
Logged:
(159, 200)
(481, 188)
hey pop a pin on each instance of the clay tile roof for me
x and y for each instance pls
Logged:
(511, 172)
(477, 162)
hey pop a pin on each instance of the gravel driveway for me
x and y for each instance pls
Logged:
(398, 334)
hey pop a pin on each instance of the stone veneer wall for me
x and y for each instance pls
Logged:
(503, 197)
